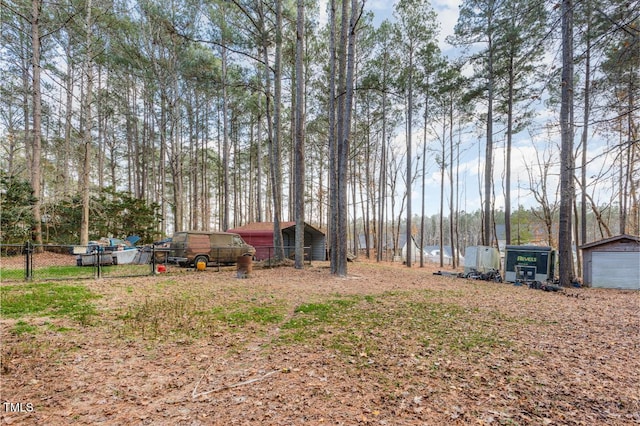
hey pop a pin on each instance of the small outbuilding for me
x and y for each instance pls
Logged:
(260, 236)
(612, 263)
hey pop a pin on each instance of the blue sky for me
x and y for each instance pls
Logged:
(528, 149)
(447, 11)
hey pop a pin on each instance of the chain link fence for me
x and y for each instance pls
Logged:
(267, 253)
(35, 262)
(46, 262)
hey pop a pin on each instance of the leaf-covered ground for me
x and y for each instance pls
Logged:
(387, 345)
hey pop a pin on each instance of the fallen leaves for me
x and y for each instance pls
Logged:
(415, 349)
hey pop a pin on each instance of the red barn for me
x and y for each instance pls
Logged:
(260, 236)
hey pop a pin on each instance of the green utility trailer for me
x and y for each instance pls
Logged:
(529, 263)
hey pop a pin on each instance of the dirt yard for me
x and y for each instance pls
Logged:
(386, 345)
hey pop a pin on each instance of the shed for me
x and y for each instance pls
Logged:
(260, 236)
(612, 263)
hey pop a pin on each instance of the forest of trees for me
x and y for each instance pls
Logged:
(217, 113)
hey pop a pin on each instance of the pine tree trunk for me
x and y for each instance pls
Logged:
(409, 256)
(299, 145)
(225, 141)
(88, 120)
(259, 163)
(585, 134)
(566, 155)
(488, 157)
(36, 147)
(424, 175)
(507, 178)
(451, 189)
(333, 136)
(68, 119)
(276, 167)
(442, 169)
(382, 180)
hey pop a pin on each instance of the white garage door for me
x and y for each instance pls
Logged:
(616, 269)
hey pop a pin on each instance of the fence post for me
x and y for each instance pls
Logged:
(28, 261)
(98, 262)
(153, 259)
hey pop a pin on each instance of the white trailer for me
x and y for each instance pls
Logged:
(481, 259)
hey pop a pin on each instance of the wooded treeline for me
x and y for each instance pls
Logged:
(226, 112)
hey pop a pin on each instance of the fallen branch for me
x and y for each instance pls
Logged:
(195, 395)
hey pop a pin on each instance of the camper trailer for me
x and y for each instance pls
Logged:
(481, 259)
(529, 263)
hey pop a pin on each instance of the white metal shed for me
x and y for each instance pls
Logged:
(612, 263)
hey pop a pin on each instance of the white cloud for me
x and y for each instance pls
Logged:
(447, 11)
(383, 6)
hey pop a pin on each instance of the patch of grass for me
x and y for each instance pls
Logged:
(22, 327)
(47, 299)
(11, 274)
(243, 313)
(322, 312)
(59, 272)
(359, 327)
(190, 316)
(450, 328)
(126, 270)
(343, 324)
(165, 284)
(362, 326)
(48, 272)
(56, 328)
(73, 272)
(369, 298)
(317, 315)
